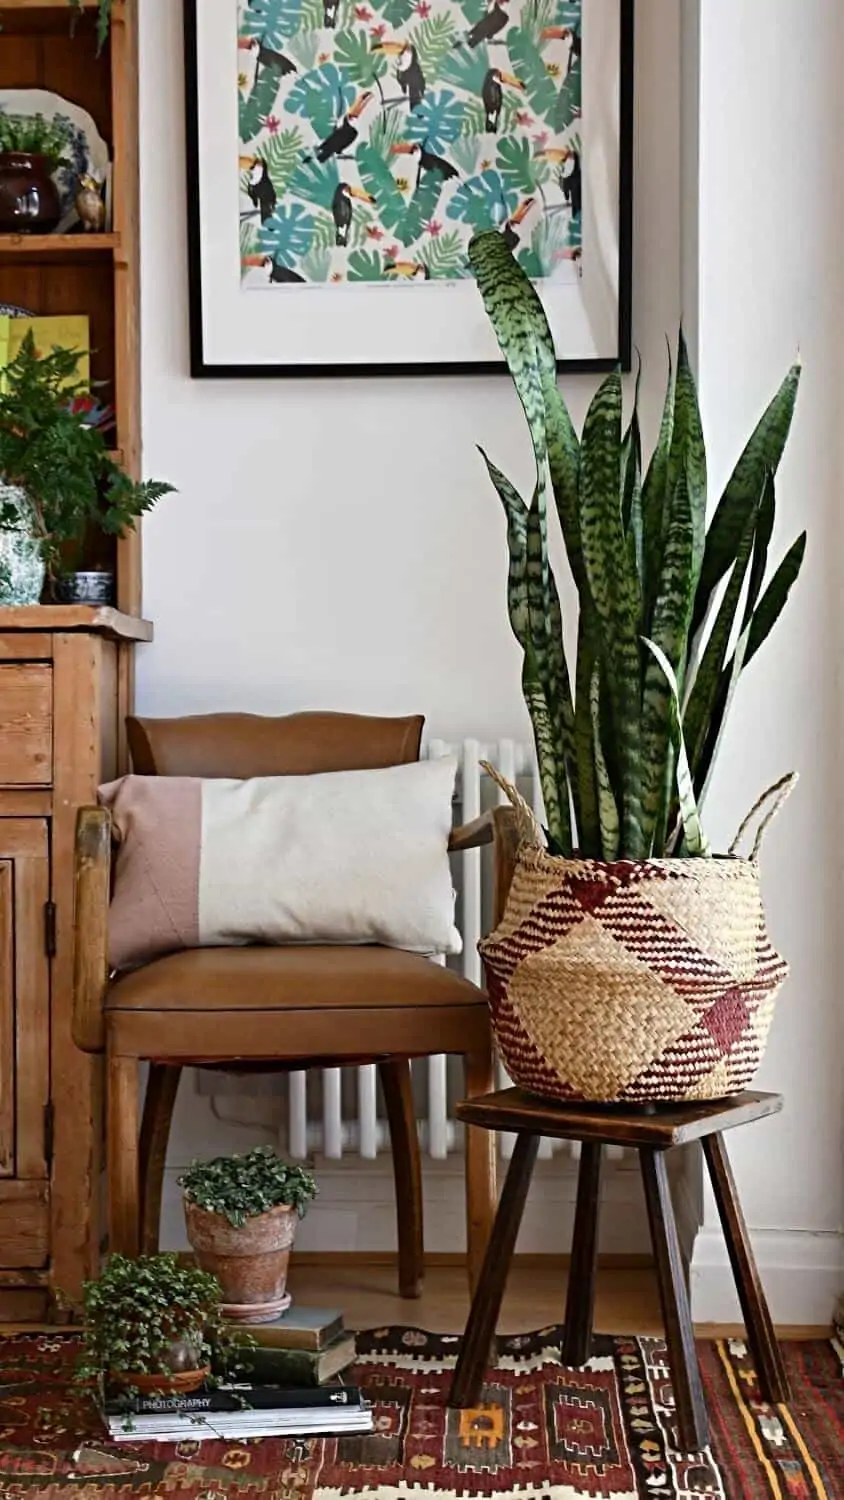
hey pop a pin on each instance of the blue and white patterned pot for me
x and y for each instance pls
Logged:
(22, 566)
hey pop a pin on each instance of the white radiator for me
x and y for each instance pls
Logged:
(334, 1112)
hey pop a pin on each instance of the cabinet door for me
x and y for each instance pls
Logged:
(24, 1042)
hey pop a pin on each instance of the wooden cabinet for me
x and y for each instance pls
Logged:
(64, 688)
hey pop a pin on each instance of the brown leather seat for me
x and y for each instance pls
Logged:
(271, 1008)
(294, 978)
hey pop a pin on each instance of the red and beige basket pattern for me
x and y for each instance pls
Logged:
(640, 981)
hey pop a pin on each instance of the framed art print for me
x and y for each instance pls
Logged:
(342, 154)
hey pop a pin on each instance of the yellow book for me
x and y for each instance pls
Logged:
(5, 324)
(67, 330)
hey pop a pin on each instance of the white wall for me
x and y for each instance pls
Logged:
(770, 215)
(335, 544)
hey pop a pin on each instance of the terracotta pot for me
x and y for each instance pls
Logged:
(177, 1383)
(29, 198)
(250, 1263)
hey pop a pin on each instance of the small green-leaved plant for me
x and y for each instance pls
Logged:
(62, 465)
(104, 9)
(32, 135)
(242, 1187)
(139, 1309)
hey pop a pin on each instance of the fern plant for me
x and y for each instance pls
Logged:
(104, 9)
(670, 613)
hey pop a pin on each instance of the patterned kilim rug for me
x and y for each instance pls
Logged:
(540, 1432)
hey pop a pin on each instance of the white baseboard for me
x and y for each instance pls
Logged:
(802, 1272)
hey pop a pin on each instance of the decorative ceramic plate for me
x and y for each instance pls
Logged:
(87, 151)
(9, 310)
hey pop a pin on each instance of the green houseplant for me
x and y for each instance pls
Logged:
(241, 1214)
(150, 1324)
(58, 478)
(31, 149)
(669, 615)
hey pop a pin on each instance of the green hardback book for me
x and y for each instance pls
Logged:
(296, 1367)
(300, 1328)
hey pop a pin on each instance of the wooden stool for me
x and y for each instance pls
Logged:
(651, 1132)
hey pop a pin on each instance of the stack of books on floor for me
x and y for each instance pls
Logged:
(283, 1384)
(238, 1411)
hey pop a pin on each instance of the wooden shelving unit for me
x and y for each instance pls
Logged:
(66, 678)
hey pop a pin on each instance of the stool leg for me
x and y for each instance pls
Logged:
(773, 1381)
(580, 1301)
(692, 1421)
(486, 1303)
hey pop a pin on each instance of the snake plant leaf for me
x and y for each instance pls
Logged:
(761, 543)
(588, 821)
(763, 452)
(615, 590)
(669, 632)
(774, 599)
(516, 512)
(557, 812)
(607, 809)
(694, 837)
(631, 482)
(654, 498)
(719, 719)
(701, 704)
(688, 454)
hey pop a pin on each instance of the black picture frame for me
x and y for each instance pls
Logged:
(201, 368)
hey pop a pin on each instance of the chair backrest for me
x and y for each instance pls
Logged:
(244, 745)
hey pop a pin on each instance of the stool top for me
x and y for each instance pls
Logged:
(615, 1124)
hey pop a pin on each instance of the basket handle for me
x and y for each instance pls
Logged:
(777, 795)
(527, 824)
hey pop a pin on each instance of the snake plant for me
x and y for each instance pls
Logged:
(670, 612)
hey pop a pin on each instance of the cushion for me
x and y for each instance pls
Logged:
(346, 857)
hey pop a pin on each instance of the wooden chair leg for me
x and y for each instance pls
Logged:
(476, 1345)
(692, 1420)
(397, 1085)
(162, 1088)
(773, 1381)
(580, 1301)
(479, 1078)
(122, 1154)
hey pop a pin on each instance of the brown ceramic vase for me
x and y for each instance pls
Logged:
(250, 1263)
(29, 198)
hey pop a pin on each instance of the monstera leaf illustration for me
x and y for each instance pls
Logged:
(378, 180)
(567, 106)
(467, 69)
(287, 235)
(315, 182)
(322, 96)
(520, 169)
(271, 20)
(484, 201)
(436, 121)
(420, 209)
(353, 53)
(255, 106)
(365, 265)
(529, 66)
(398, 11)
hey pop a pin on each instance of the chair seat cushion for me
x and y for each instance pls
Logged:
(291, 978)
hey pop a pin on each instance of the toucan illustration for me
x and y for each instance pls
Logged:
(508, 230)
(409, 75)
(341, 209)
(259, 186)
(329, 12)
(563, 34)
(345, 134)
(569, 177)
(279, 274)
(428, 162)
(407, 270)
(267, 58)
(493, 97)
(488, 26)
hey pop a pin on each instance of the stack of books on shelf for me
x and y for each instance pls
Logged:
(239, 1411)
(282, 1381)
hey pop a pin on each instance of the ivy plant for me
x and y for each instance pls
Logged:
(32, 135)
(61, 464)
(242, 1187)
(104, 9)
(149, 1316)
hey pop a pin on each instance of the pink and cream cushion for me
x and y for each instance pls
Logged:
(347, 857)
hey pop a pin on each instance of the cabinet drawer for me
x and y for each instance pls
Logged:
(26, 724)
(24, 1224)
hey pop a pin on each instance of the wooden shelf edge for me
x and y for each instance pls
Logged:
(57, 5)
(61, 617)
(62, 244)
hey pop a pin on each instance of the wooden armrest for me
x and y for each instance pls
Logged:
(472, 835)
(91, 884)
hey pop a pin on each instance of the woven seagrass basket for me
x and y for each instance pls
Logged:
(643, 981)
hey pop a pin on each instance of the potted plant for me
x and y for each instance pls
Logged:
(151, 1324)
(630, 965)
(58, 482)
(31, 149)
(241, 1214)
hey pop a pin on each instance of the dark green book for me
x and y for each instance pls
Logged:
(296, 1367)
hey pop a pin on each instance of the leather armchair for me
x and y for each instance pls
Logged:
(264, 1008)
